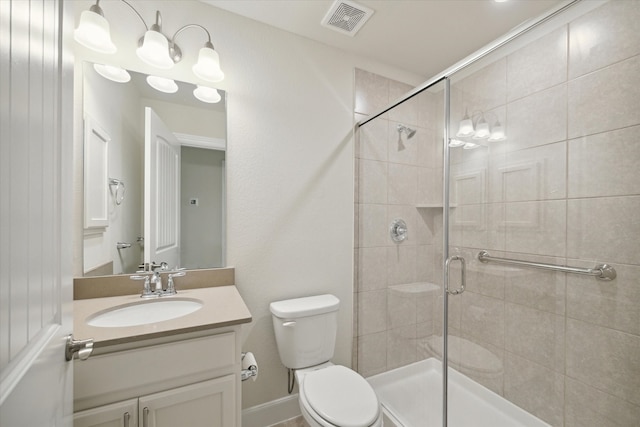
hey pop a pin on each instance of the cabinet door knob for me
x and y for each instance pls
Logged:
(126, 419)
(145, 417)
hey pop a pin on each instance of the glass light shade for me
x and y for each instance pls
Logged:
(470, 146)
(453, 143)
(208, 66)
(93, 32)
(207, 94)
(482, 130)
(162, 84)
(466, 128)
(112, 73)
(155, 50)
(497, 133)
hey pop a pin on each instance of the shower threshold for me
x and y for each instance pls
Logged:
(411, 397)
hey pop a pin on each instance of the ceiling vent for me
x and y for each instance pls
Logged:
(346, 17)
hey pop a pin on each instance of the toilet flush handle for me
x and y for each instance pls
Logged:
(290, 323)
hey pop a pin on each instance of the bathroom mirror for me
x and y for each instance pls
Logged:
(165, 204)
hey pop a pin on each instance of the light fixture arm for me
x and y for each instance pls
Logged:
(174, 50)
(192, 26)
(97, 9)
(139, 16)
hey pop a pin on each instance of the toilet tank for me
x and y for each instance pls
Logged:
(305, 329)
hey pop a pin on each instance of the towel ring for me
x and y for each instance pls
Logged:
(119, 194)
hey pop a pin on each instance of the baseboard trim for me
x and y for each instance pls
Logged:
(270, 413)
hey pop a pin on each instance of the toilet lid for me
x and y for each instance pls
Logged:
(341, 396)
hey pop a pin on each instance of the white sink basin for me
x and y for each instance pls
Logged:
(144, 312)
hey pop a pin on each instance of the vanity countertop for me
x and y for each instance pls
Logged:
(222, 306)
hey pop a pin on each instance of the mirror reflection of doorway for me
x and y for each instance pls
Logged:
(202, 207)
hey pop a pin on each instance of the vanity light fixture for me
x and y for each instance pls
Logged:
(208, 65)
(207, 94)
(154, 49)
(497, 133)
(162, 84)
(453, 143)
(466, 127)
(112, 72)
(93, 31)
(481, 130)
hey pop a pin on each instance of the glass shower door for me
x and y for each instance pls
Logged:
(543, 200)
(507, 200)
(398, 333)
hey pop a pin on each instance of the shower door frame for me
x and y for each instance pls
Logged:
(445, 251)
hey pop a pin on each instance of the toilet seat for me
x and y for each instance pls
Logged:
(341, 397)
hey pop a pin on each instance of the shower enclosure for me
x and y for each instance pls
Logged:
(498, 230)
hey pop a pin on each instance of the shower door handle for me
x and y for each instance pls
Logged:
(463, 274)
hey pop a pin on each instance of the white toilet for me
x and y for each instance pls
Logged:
(329, 395)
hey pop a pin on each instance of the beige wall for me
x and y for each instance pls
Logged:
(562, 189)
(289, 158)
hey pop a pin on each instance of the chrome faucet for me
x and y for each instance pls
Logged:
(156, 280)
(152, 287)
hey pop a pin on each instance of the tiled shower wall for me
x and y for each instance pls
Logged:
(394, 175)
(564, 188)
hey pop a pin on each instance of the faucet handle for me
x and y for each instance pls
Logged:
(162, 266)
(179, 272)
(146, 289)
(171, 289)
(152, 266)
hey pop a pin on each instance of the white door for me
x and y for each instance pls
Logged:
(161, 192)
(36, 201)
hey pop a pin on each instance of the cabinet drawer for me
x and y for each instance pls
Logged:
(118, 376)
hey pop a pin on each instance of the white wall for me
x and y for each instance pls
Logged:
(290, 163)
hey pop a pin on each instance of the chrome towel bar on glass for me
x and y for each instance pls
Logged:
(600, 271)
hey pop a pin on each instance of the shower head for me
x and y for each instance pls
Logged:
(407, 130)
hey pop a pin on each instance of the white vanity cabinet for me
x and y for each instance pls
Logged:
(193, 380)
(209, 403)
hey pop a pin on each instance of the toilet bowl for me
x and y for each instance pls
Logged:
(334, 395)
(329, 395)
